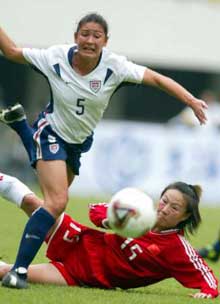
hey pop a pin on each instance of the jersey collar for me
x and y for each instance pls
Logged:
(164, 232)
(70, 54)
(73, 50)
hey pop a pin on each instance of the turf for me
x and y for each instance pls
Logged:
(12, 221)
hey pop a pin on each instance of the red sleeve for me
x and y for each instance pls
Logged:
(98, 214)
(187, 267)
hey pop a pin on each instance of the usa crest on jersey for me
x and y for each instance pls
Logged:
(54, 148)
(95, 85)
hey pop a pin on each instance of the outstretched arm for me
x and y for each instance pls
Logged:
(190, 269)
(9, 48)
(173, 88)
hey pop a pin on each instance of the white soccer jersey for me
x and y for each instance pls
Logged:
(78, 102)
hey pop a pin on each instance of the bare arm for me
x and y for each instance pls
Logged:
(9, 48)
(171, 87)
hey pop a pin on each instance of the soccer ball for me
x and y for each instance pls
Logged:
(131, 213)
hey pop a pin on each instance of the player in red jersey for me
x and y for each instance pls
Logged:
(82, 256)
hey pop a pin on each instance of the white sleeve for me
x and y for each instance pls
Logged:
(131, 72)
(37, 57)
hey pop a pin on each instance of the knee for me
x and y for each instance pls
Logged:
(4, 268)
(56, 204)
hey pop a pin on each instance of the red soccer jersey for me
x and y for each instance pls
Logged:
(87, 256)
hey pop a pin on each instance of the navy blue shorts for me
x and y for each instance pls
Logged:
(49, 146)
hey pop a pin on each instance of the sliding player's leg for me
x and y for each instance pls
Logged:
(41, 273)
(55, 190)
(13, 190)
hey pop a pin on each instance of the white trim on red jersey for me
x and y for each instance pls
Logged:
(198, 263)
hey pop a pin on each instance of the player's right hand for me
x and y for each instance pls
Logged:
(98, 214)
(201, 295)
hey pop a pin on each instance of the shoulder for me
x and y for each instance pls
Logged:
(57, 53)
(52, 50)
(182, 241)
(168, 239)
(127, 70)
(180, 244)
(61, 49)
(113, 59)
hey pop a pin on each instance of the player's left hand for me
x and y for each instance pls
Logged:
(199, 106)
(201, 295)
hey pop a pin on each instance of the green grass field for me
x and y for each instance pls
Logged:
(12, 221)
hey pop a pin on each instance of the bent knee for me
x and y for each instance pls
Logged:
(57, 204)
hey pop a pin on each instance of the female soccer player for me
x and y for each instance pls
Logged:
(82, 79)
(116, 261)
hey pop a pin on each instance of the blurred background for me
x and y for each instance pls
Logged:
(147, 138)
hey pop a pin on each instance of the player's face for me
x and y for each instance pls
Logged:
(171, 210)
(90, 39)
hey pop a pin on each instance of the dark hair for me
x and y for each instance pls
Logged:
(93, 17)
(192, 195)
